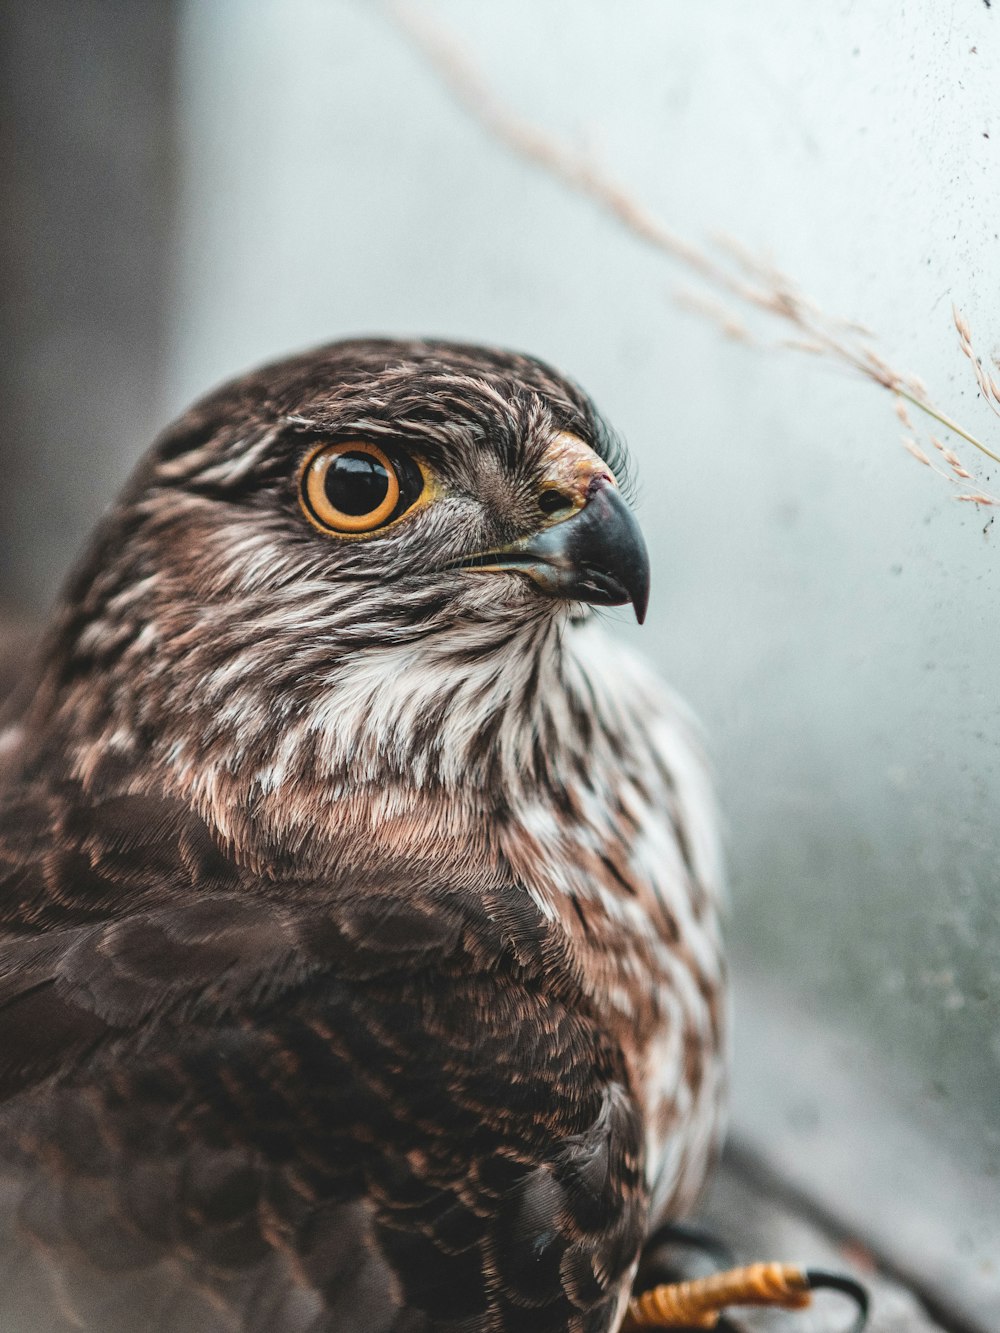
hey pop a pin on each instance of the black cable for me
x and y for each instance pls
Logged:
(819, 1278)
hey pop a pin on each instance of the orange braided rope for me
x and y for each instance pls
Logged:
(698, 1303)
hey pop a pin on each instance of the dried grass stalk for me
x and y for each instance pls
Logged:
(728, 266)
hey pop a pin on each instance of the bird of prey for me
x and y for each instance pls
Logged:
(360, 964)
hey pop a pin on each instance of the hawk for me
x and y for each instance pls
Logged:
(360, 962)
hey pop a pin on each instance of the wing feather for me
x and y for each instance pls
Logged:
(231, 1105)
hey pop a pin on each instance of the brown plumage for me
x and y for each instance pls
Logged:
(359, 959)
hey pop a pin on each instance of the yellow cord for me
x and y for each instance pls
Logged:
(698, 1303)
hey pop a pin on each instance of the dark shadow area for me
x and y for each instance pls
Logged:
(87, 168)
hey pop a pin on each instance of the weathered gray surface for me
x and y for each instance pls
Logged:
(812, 1100)
(760, 1225)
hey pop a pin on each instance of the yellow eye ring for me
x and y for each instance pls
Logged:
(350, 488)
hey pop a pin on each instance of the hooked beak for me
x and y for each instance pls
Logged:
(597, 555)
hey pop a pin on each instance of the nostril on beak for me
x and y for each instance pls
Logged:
(552, 501)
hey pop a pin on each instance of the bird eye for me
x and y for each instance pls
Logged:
(356, 487)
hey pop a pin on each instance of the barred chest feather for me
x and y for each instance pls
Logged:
(628, 859)
(543, 756)
(558, 764)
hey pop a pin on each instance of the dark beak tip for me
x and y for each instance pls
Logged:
(638, 591)
(619, 546)
(598, 555)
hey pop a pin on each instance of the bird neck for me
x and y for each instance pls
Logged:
(411, 754)
(411, 740)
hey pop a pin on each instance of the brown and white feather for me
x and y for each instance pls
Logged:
(357, 915)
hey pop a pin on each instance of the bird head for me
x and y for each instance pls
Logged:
(392, 472)
(344, 555)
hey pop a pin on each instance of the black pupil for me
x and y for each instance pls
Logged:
(356, 483)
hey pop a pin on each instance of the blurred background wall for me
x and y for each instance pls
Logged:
(194, 187)
(87, 94)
